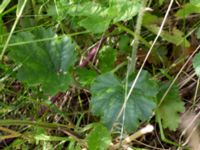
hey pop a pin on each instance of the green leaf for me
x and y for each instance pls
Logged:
(45, 63)
(124, 43)
(122, 10)
(161, 2)
(151, 19)
(108, 98)
(91, 15)
(84, 9)
(107, 58)
(97, 17)
(95, 24)
(170, 108)
(187, 10)
(196, 64)
(99, 138)
(177, 37)
(85, 76)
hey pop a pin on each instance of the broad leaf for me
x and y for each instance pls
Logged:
(196, 64)
(108, 98)
(45, 63)
(99, 138)
(170, 108)
(96, 17)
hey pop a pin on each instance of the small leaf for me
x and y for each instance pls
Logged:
(187, 10)
(99, 138)
(107, 58)
(151, 19)
(95, 24)
(177, 37)
(85, 76)
(170, 108)
(196, 64)
(44, 63)
(108, 98)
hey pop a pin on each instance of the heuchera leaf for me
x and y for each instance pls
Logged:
(44, 63)
(99, 138)
(196, 64)
(108, 98)
(170, 107)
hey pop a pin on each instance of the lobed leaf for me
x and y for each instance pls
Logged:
(95, 23)
(99, 138)
(170, 107)
(45, 63)
(108, 98)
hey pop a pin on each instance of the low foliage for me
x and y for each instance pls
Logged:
(65, 74)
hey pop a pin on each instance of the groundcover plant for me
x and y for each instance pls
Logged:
(99, 74)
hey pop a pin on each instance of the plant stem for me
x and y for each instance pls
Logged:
(129, 31)
(137, 37)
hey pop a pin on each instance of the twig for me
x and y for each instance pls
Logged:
(148, 129)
